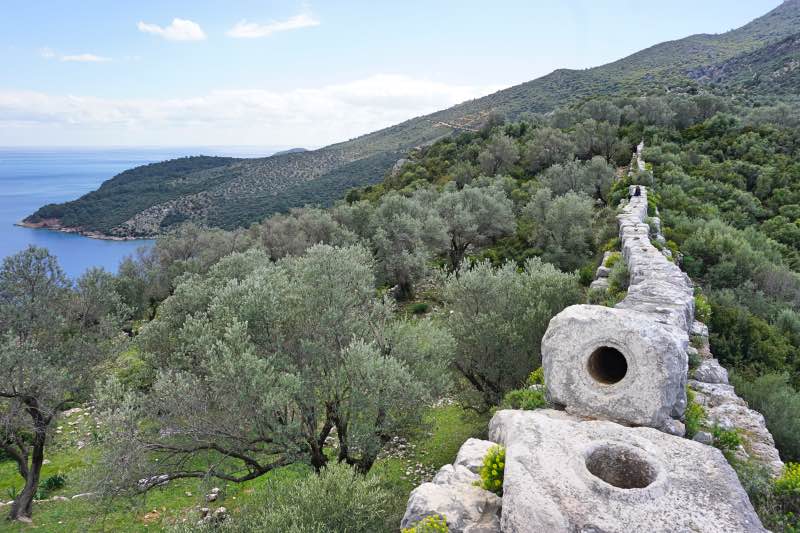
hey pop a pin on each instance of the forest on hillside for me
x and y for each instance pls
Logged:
(758, 63)
(313, 367)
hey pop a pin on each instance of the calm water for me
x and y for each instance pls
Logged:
(30, 178)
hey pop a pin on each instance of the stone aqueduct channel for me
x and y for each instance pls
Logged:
(611, 456)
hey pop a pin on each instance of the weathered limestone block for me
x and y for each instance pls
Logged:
(713, 394)
(453, 494)
(699, 329)
(615, 364)
(724, 408)
(656, 285)
(710, 371)
(472, 452)
(567, 475)
(600, 284)
(602, 272)
(758, 441)
(465, 507)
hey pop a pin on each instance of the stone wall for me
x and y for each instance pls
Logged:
(593, 465)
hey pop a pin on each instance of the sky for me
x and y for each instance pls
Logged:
(287, 73)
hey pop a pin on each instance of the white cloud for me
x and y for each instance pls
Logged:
(178, 30)
(303, 117)
(252, 30)
(85, 58)
(49, 53)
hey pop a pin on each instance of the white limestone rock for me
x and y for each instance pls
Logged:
(703, 437)
(466, 508)
(713, 394)
(602, 272)
(472, 452)
(567, 475)
(699, 329)
(724, 408)
(710, 371)
(454, 493)
(615, 364)
(758, 441)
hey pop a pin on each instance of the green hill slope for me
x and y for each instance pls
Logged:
(244, 191)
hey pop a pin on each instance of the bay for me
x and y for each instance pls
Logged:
(32, 177)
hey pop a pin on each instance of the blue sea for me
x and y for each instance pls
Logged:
(30, 178)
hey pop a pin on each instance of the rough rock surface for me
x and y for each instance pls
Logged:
(616, 364)
(565, 475)
(453, 494)
(471, 454)
(657, 286)
(724, 408)
(710, 371)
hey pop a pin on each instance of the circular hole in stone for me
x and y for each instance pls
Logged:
(621, 467)
(607, 365)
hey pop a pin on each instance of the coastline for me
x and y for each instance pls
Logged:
(54, 225)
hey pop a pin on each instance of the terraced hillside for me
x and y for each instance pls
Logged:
(240, 192)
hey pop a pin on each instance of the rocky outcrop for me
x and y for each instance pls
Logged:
(725, 409)
(564, 474)
(454, 494)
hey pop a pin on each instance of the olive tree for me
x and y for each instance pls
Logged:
(593, 178)
(295, 232)
(406, 234)
(547, 147)
(498, 317)
(599, 138)
(150, 276)
(499, 156)
(258, 362)
(54, 336)
(473, 216)
(562, 227)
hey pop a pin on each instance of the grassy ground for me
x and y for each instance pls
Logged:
(403, 467)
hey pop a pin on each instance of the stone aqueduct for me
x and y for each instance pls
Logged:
(613, 457)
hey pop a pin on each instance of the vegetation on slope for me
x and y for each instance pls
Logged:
(354, 320)
(266, 186)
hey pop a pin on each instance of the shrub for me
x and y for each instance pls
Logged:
(430, 524)
(611, 245)
(693, 416)
(525, 399)
(492, 471)
(613, 259)
(773, 396)
(536, 377)
(702, 309)
(338, 499)
(618, 278)
(586, 274)
(50, 484)
(694, 360)
(697, 341)
(777, 502)
(419, 308)
(789, 482)
(727, 440)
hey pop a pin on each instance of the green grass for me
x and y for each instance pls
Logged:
(445, 429)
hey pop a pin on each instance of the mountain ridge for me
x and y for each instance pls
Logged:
(246, 191)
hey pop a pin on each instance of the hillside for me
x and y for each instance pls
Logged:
(244, 191)
(773, 69)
